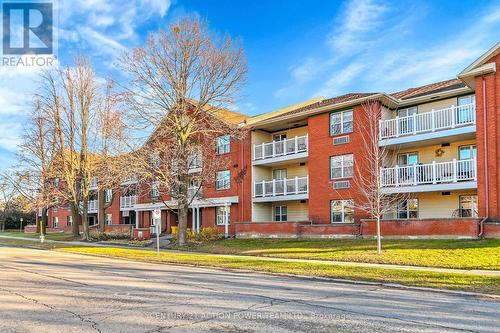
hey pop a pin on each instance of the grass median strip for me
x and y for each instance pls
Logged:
(461, 254)
(456, 281)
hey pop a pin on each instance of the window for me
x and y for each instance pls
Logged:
(155, 190)
(280, 213)
(279, 137)
(69, 220)
(342, 211)
(408, 209)
(467, 152)
(408, 159)
(407, 112)
(56, 182)
(220, 213)
(155, 160)
(465, 111)
(468, 206)
(341, 166)
(108, 195)
(341, 122)
(109, 219)
(55, 222)
(223, 180)
(279, 174)
(223, 144)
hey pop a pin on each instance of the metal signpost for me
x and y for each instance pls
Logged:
(157, 221)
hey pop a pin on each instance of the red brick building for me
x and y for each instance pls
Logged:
(293, 176)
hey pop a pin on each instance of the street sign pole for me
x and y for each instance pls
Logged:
(157, 219)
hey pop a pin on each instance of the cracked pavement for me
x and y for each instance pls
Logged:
(46, 291)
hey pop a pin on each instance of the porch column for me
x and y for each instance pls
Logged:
(198, 218)
(226, 220)
(193, 220)
(169, 222)
(136, 219)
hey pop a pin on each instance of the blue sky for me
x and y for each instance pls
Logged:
(295, 49)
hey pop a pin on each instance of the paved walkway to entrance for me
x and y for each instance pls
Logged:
(331, 262)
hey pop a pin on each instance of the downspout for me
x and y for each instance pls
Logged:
(481, 227)
(485, 142)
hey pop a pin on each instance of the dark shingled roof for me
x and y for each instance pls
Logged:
(429, 89)
(325, 102)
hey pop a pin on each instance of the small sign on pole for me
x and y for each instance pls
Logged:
(157, 221)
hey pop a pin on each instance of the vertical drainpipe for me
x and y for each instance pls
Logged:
(485, 142)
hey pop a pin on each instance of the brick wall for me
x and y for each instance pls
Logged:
(321, 148)
(423, 227)
(492, 230)
(492, 132)
(268, 229)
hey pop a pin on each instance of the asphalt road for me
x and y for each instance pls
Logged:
(44, 291)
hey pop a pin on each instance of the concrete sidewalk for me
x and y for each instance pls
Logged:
(330, 262)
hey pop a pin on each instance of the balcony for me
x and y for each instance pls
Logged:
(279, 151)
(435, 176)
(92, 206)
(195, 163)
(130, 180)
(93, 183)
(128, 201)
(458, 121)
(281, 189)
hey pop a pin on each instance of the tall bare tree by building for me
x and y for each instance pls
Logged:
(367, 171)
(182, 83)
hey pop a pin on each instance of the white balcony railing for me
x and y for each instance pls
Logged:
(129, 180)
(435, 120)
(285, 147)
(431, 173)
(93, 204)
(281, 187)
(93, 183)
(128, 201)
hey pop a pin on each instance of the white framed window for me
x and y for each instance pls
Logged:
(408, 158)
(223, 144)
(408, 209)
(280, 213)
(220, 213)
(223, 180)
(467, 152)
(341, 122)
(56, 182)
(279, 137)
(155, 159)
(155, 189)
(342, 211)
(341, 166)
(69, 220)
(468, 206)
(109, 219)
(407, 111)
(279, 174)
(55, 222)
(108, 195)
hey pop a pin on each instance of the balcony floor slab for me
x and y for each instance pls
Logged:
(283, 159)
(277, 198)
(444, 187)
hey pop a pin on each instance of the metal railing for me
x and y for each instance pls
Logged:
(93, 183)
(435, 120)
(298, 144)
(281, 187)
(431, 173)
(128, 201)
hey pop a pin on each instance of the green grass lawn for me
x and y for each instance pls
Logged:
(467, 282)
(59, 236)
(465, 254)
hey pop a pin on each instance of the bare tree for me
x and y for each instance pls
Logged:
(368, 176)
(34, 176)
(181, 85)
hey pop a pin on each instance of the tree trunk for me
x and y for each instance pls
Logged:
(182, 227)
(75, 228)
(43, 221)
(379, 243)
(85, 219)
(101, 210)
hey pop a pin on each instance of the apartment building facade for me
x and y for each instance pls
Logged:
(295, 173)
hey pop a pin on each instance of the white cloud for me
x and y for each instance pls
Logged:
(357, 21)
